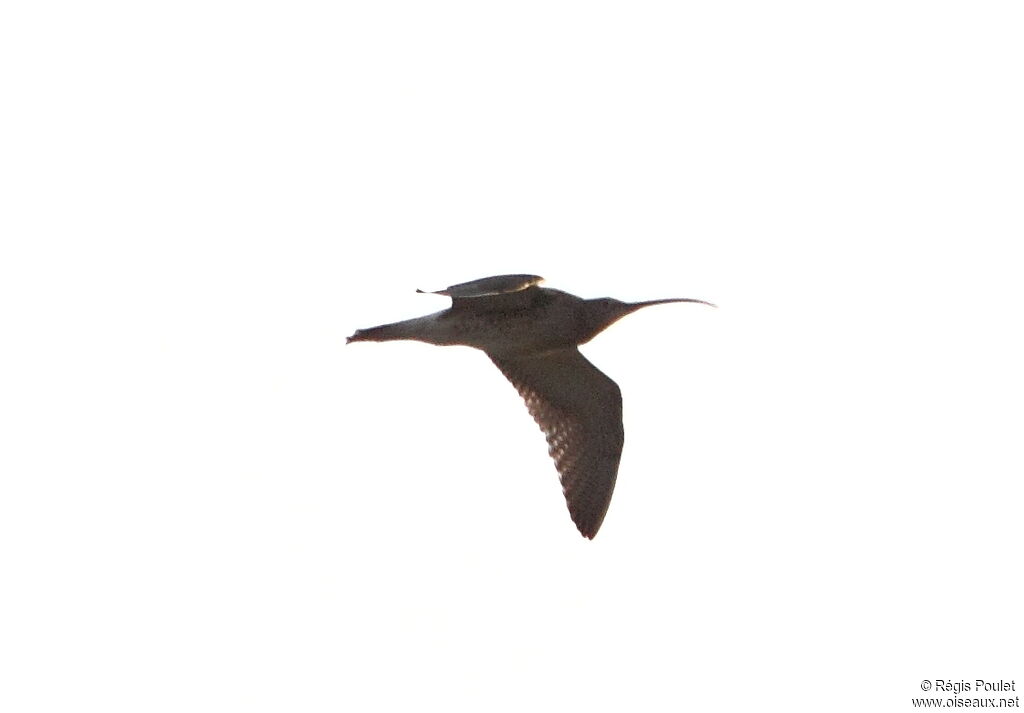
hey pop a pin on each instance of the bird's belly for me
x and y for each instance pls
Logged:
(507, 334)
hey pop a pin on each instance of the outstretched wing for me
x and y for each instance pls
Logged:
(580, 411)
(503, 293)
(487, 286)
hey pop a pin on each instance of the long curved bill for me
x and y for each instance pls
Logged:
(648, 303)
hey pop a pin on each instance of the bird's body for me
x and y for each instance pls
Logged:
(516, 321)
(531, 334)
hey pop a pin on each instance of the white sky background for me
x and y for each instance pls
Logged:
(210, 503)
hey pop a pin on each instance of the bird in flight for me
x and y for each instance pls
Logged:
(531, 334)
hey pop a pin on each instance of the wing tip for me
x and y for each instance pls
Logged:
(587, 527)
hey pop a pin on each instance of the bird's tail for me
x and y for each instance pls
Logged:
(417, 329)
(373, 334)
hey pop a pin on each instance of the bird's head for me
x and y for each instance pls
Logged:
(601, 313)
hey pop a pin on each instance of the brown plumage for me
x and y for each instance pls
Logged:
(531, 334)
